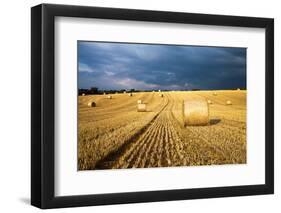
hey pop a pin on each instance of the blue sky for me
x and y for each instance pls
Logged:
(166, 67)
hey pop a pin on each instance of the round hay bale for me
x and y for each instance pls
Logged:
(104, 93)
(109, 97)
(83, 94)
(139, 102)
(92, 104)
(228, 102)
(215, 94)
(130, 94)
(196, 111)
(124, 92)
(141, 107)
(238, 89)
(161, 95)
(210, 102)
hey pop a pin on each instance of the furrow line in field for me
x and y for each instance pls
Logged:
(167, 159)
(156, 140)
(114, 155)
(129, 155)
(143, 143)
(159, 152)
(176, 143)
(146, 159)
(156, 153)
(142, 148)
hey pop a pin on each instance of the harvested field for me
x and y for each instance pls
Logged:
(114, 135)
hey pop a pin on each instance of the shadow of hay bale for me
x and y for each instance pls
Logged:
(214, 121)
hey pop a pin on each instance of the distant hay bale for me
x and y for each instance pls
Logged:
(139, 102)
(161, 95)
(228, 103)
(109, 97)
(215, 93)
(130, 94)
(210, 102)
(142, 107)
(104, 93)
(238, 89)
(124, 92)
(153, 91)
(159, 90)
(83, 94)
(196, 111)
(92, 104)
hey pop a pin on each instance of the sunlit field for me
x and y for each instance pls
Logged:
(114, 134)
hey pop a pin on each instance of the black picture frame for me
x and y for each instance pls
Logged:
(43, 117)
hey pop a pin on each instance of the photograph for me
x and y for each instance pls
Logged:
(147, 105)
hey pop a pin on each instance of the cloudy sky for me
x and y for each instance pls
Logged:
(152, 67)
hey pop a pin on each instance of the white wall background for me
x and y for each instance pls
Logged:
(15, 105)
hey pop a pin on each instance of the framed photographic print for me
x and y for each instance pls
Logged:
(139, 106)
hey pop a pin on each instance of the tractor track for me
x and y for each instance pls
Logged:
(113, 156)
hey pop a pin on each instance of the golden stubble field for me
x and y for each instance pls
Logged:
(114, 135)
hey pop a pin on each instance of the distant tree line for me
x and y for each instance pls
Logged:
(96, 91)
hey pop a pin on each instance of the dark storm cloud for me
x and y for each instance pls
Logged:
(143, 66)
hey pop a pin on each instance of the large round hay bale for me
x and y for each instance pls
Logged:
(109, 97)
(141, 107)
(139, 102)
(161, 95)
(130, 94)
(228, 102)
(196, 111)
(92, 104)
(215, 93)
(210, 102)
(83, 94)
